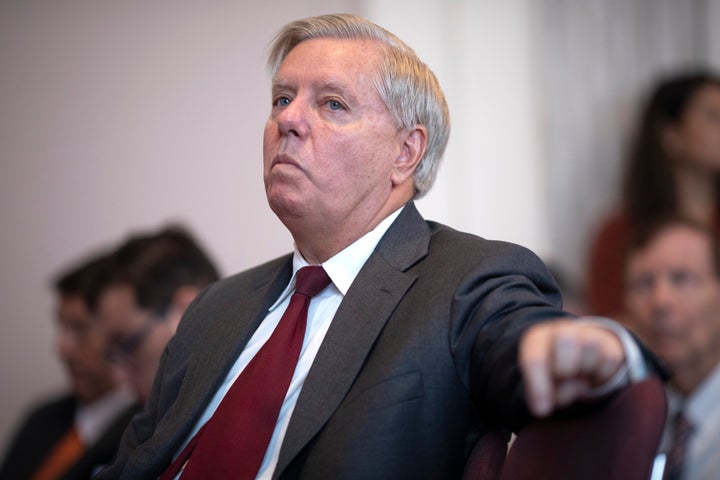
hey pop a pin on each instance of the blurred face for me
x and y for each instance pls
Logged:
(329, 142)
(696, 138)
(80, 346)
(135, 339)
(673, 295)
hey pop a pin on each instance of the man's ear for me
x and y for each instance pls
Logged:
(411, 152)
(183, 297)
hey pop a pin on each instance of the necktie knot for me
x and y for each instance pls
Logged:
(311, 280)
(682, 426)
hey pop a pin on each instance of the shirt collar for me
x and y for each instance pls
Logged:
(704, 399)
(91, 420)
(345, 265)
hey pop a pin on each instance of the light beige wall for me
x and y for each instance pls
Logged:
(713, 20)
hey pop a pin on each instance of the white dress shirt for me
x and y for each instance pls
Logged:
(702, 409)
(92, 420)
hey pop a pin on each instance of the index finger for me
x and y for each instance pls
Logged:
(535, 357)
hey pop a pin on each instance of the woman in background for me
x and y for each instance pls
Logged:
(673, 168)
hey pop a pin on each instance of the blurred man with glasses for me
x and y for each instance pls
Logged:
(139, 301)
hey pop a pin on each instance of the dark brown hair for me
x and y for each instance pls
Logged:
(78, 280)
(649, 231)
(155, 265)
(650, 189)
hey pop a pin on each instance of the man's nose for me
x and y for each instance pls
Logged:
(662, 299)
(294, 118)
(663, 291)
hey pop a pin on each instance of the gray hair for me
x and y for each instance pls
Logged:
(406, 85)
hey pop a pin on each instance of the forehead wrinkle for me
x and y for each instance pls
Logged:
(372, 54)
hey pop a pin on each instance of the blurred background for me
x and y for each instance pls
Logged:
(121, 116)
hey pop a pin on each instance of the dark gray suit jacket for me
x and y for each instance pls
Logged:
(419, 361)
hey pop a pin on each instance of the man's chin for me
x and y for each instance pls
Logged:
(671, 354)
(85, 394)
(286, 209)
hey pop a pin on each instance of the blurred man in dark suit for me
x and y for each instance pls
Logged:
(139, 300)
(673, 297)
(69, 436)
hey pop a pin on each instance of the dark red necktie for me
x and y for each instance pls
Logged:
(233, 442)
(681, 433)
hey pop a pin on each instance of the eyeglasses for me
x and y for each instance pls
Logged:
(121, 348)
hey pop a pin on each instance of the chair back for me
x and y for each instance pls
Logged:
(486, 459)
(618, 440)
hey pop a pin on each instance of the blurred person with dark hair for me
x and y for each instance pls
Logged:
(139, 301)
(673, 167)
(69, 436)
(673, 300)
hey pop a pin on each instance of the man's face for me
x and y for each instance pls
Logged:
(80, 346)
(673, 297)
(330, 142)
(135, 339)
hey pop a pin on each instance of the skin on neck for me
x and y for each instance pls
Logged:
(320, 241)
(687, 378)
(696, 193)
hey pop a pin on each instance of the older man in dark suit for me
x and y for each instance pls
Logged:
(423, 340)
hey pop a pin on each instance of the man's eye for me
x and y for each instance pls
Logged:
(641, 284)
(334, 105)
(683, 278)
(282, 102)
(713, 114)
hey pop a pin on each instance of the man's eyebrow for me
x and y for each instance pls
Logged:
(331, 86)
(279, 84)
(341, 89)
(334, 86)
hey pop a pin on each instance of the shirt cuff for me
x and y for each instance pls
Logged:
(633, 370)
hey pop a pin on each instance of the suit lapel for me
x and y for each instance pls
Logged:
(369, 303)
(230, 325)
